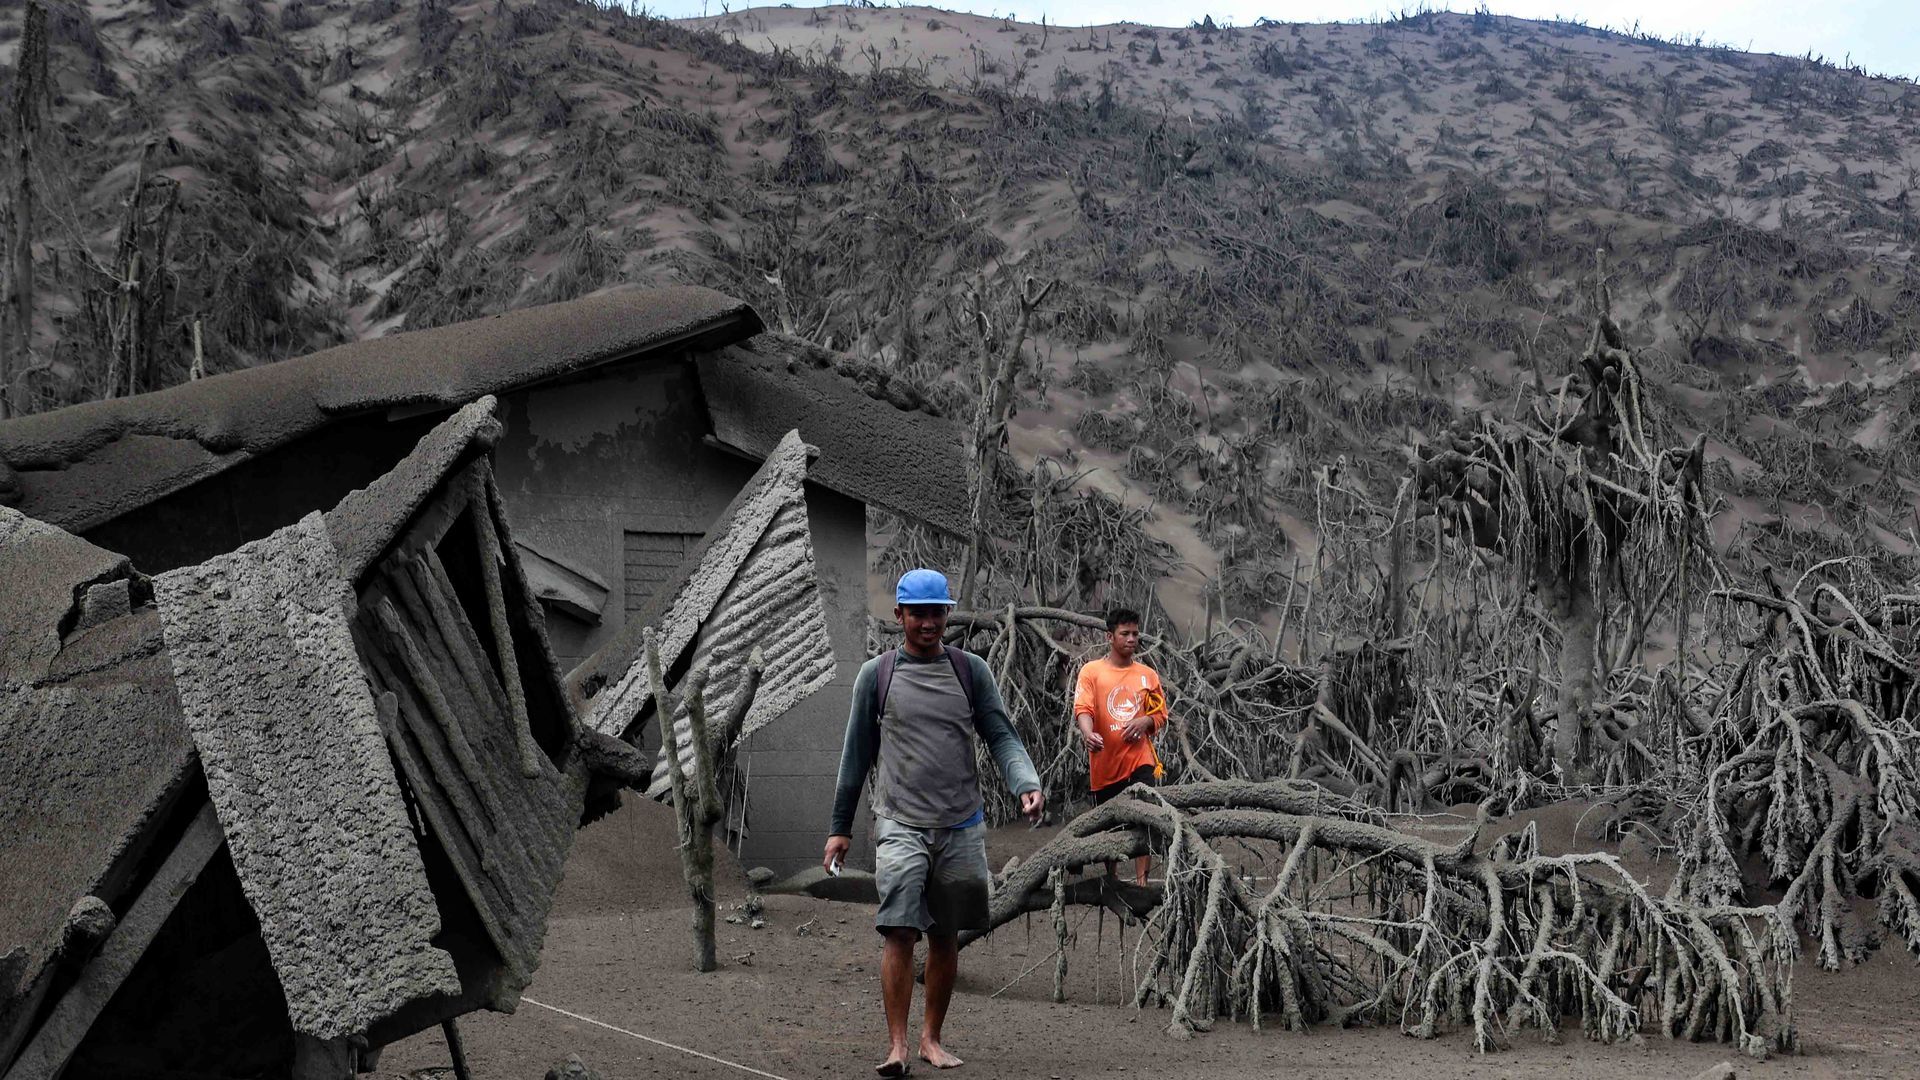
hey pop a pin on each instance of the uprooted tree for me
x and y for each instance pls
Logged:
(1348, 920)
(1808, 762)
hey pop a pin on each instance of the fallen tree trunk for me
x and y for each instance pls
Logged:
(1346, 919)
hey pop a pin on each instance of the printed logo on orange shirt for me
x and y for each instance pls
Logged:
(1125, 701)
(1123, 704)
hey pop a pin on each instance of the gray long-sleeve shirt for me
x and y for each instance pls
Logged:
(922, 744)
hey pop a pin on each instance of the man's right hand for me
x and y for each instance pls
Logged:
(1088, 737)
(836, 853)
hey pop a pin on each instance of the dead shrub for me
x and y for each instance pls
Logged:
(808, 160)
(297, 16)
(1858, 326)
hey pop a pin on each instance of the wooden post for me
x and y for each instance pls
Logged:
(1059, 911)
(696, 797)
(700, 811)
(451, 1029)
(666, 705)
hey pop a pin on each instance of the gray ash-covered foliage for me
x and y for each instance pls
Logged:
(1257, 309)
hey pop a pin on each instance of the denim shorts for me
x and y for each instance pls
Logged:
(931, 880)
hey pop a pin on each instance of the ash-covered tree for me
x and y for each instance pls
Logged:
(1810, 781)
(1587, 513)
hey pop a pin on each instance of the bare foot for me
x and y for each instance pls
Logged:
(895, 1065)
(936, 1055)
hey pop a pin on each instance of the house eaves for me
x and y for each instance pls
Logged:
(85, 465)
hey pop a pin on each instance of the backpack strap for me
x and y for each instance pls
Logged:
(883, 676)
(962, 670)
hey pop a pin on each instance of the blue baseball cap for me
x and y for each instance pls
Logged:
(922, 587)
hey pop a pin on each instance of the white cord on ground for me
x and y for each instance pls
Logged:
(656, 1042)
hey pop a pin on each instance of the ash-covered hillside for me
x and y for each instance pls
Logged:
(1282, 255)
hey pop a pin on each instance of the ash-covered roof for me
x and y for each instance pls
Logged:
(87, 464)
(91, 737)
(877, 440)
(880, 441)
(368, 519)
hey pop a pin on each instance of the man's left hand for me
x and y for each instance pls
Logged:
(1139, 728)
(1031, 804)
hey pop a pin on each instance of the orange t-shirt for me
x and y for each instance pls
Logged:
(1113, 695)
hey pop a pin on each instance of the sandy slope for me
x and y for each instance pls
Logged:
(1617, 141)
(1303, 215)
(1443, 90)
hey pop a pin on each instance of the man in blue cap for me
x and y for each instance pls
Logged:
(915, 712)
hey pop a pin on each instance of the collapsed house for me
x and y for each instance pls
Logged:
(632, 420)
(266, 813)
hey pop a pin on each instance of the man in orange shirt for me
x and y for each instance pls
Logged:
(1119, 707)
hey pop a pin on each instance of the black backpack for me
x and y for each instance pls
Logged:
(962, 670)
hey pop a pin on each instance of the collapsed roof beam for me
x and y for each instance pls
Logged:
(74, 1014)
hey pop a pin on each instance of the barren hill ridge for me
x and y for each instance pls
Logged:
(1274, 246)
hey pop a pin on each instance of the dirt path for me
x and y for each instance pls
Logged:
(804, 1003)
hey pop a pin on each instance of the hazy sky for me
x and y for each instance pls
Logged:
(1882, 36)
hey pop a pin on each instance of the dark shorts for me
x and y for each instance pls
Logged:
(1141, 775)
(931, 880)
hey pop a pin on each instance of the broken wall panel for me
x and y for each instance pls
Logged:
(502, 811)
(783, 579)
(298, 769)
(772, 603)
